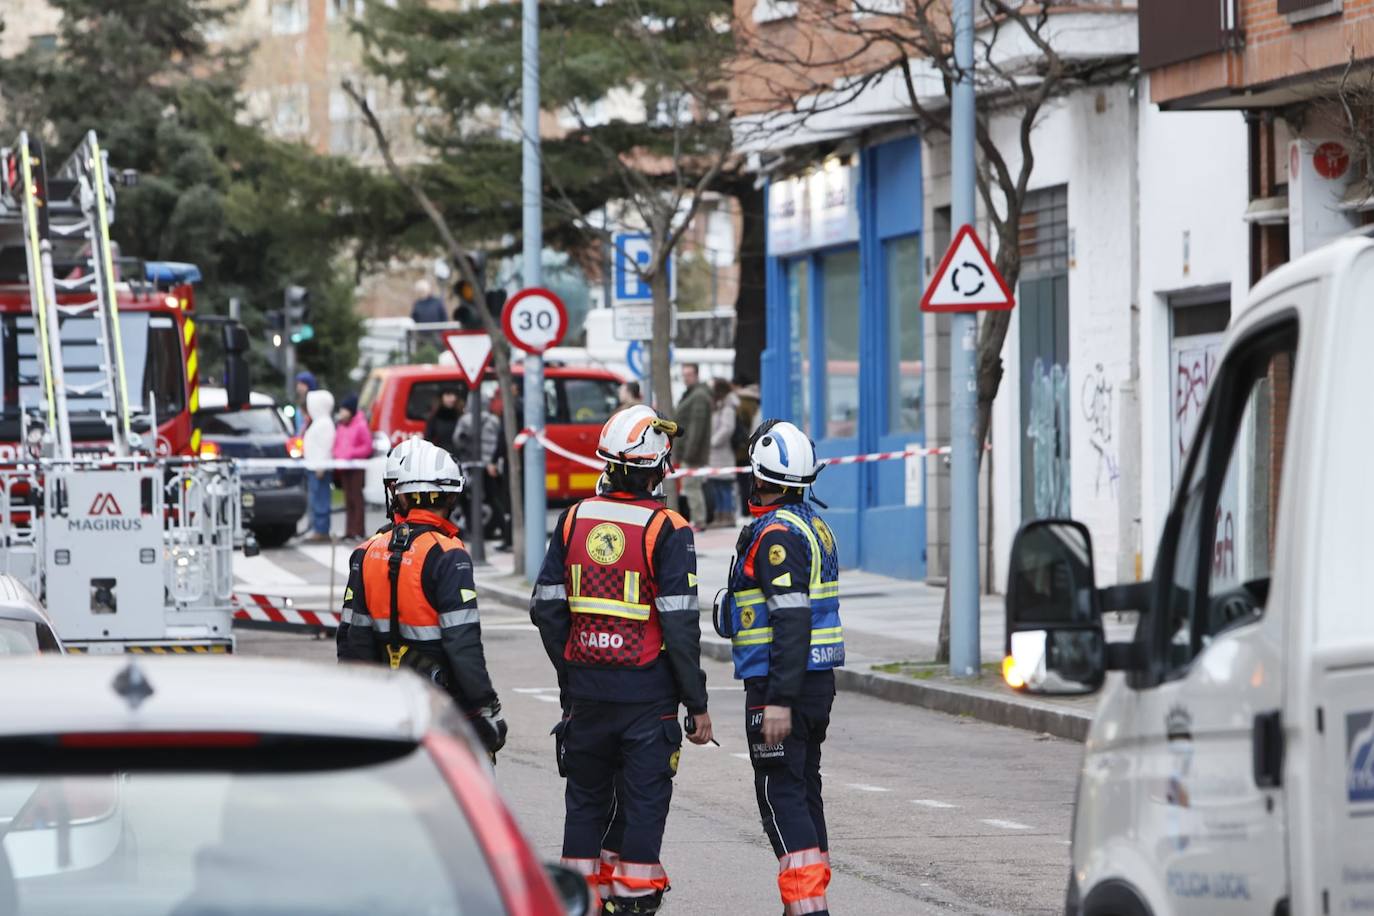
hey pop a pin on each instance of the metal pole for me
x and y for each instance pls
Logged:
(476, 541)
(535, 493)
(964, 650)
(288, 349)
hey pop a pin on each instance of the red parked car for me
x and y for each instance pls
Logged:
(578, 401)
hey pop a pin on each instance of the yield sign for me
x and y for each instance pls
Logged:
(472, 350)
(967, 280)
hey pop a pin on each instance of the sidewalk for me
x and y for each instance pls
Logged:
(891, 626)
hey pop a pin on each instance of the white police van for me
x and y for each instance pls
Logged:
(1230, 766)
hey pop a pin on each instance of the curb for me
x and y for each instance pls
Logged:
(1020, 712)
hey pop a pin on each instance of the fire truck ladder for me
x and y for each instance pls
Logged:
(78, 203)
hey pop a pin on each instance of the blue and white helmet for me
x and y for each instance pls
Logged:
(781, 453)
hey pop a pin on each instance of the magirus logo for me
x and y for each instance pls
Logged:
(104, 504)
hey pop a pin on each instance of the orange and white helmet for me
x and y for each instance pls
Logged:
(637, 437)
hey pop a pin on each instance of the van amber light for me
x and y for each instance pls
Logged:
(1010, 674)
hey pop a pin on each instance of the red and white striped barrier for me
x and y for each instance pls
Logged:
(264, 613)
(910, 451)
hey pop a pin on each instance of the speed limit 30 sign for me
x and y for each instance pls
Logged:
(534, 319)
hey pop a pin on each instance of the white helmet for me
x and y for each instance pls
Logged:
(396, 458)
(430, 469)
(636, 437)
(781, 453)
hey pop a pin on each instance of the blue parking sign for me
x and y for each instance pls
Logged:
(633, 251)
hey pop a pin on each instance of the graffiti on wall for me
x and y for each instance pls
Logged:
(1195, 361)
(1048, 431)
(1097, 410)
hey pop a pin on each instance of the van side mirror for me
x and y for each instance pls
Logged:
(1054, 643)
(571, 888)
(236, 381)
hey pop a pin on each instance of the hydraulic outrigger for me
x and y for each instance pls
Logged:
(129, 550)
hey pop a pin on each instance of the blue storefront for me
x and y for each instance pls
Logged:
(844, 353)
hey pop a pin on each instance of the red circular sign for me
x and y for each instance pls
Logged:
(535, 319)
(1331, 160)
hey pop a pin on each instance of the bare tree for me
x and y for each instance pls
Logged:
(662, 168)
(853, 49)
(500, 348)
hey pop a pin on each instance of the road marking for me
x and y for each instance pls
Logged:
(744, 756)
(263, 573)
(863, 787)
(545, 698)
(329, 557)
(1005, 825)
(932, 803)
(535, 689)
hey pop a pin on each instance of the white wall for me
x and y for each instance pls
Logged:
(1193, 179)
(1085, 141)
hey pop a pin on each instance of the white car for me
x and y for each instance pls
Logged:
(24, 628)
(190, 786)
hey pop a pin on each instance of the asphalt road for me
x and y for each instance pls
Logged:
(927, 813)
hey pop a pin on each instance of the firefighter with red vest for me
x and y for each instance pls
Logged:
(782, 617)
(616, 607)
(418, 604)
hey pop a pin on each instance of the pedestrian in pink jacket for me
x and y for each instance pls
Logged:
(352, 442)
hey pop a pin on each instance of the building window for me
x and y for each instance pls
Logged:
(289, 17)
(773, 10)
(798, 308)
(45, 43)
(840, 325)
(1043, 307)
(344, 9)
(906, 372)
(291, 110)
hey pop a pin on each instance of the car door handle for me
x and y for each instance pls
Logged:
(1267, 746)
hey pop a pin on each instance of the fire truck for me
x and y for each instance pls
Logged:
(106, 511)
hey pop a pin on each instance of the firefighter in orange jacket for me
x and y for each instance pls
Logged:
(418, 604)
(395, 461)
(616, 606)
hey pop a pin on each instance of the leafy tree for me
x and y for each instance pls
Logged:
(255, 214)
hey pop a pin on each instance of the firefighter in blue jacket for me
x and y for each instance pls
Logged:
(782, 616)
(616, 607)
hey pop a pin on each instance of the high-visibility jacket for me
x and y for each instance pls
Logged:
(749, 610)
(610, 583)
(436, 607)
(574, 593)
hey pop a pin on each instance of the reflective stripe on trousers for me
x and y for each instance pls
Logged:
(802, 880)
(636, 879)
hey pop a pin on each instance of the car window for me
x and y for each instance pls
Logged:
(379, 840)
(1227, 510)
(590, 400)
(255, 421)
(18, 637)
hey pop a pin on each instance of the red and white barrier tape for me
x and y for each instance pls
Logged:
(911, 451)
(260, 609)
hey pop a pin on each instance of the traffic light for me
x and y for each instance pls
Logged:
(477, 262)
(297, 306)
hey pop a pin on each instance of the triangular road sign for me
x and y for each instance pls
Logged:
(472, 351)
(967, 280)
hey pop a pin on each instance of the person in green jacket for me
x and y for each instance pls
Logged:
(694, 447)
